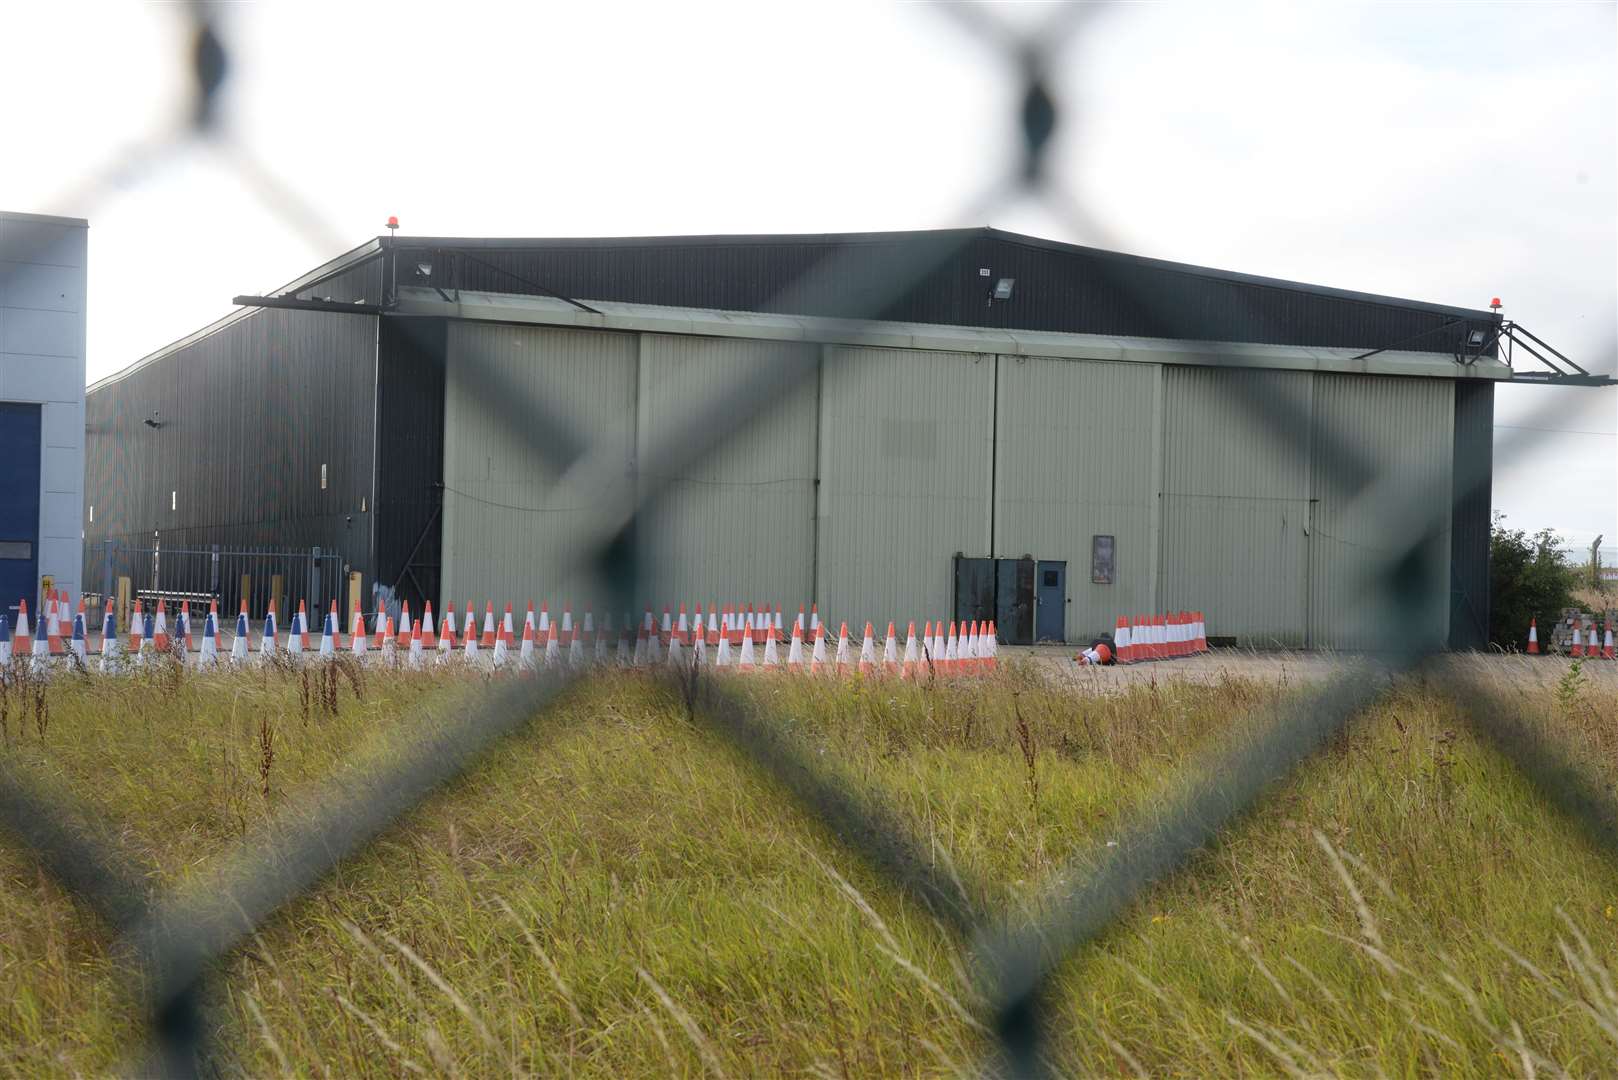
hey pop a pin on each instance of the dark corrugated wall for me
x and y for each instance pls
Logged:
(1058, 287)
(249, 414)
(410, 465)
(1469, 524)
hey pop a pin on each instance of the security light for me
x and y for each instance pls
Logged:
(1475, 339)
(1002, 288)
(425, 269)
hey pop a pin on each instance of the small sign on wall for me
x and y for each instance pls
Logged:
(1101, 560)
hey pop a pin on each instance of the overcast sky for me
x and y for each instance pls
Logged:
(1448, 152)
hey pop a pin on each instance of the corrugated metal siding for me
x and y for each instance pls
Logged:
(904, 479)
(1074, 460)
(249, 414)
(1469, 537)
(739, 526)
(505, 520)
(410, 412)
(933, 277)
(1235, 505)
(1404, 427)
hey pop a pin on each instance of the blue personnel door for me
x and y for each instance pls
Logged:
(19, 505)
(1050, 607)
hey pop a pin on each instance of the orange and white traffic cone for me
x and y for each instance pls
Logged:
(429, 635)
(1592, 645)
(328, 633)
(525, 655)
(1606, 647)
(506, 625)
(952, 650)
(890, 653)
(868, 651)
(817, 655)
(402, 639)
(417, 655)
(994, 646)
(1533, 637)
(795, 649)
(842, 650)
(357, 636)
(746, 660)
(390, 644)
(912, 655)
(469, 635)
(553, 646)
(1578, 639)
(52, 618)
(487, 641)
(502, 648)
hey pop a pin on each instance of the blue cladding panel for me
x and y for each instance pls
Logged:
(19, 506)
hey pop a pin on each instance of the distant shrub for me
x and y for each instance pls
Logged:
(1529, 578)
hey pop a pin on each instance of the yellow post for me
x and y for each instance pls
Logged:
(123, 604)
(353, 594)
(277, 587)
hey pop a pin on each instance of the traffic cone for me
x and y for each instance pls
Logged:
(952, 650)
(158, 635)
(42, 643)
(795, 647)
(469, 638)
(295, 633)
(390, 645)
(780, 631)
(402, 639)
(357, 638)
(699, 640)
(380, 641)
(75, 643)
(5, 644)
(136, 627)
(814, 618)
(665, 631)
(575, 645)
(1592, 645)
(1606, 648)
(328, 634)
(935, 650)
(488, 625)
(501, 647)
(1202, 633)
(772, 654)
(817, 656)
(912, 654)
(994, 646)
(890, 653)
(1578, 638)
(210, 636)
(868, 651)
(599, 637)
(525, 656)
(746, 661)
(713, 629)
(553, 646)
(842, 649)
(798, 625)
(52, 621)
(446, 632)
(1533, 637)
(429, 637)
(682, 629)
(418, 652)
(269, 640)
(506, 626)
(238, 645)
(109, 640)
(676, 650)
(182, 630)
(722, 656)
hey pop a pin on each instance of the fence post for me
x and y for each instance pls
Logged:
(213, 570)
(314, 577)
(106, 571)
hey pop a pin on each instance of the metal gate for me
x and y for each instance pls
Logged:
(162, 574)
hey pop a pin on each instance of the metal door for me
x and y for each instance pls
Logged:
(974, 589)
(1014, 601)
(19, 506)
(1050, 600)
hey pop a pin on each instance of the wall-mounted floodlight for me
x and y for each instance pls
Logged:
(1002, 289)
(1474, 340)
(425, 269)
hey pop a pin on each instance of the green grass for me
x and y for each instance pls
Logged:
(624, 895)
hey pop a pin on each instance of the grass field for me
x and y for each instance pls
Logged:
(625, 896)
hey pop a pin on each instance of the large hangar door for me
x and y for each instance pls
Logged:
(1236, 504)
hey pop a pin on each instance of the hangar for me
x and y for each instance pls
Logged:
(982, 418)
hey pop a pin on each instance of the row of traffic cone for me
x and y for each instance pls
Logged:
(1159, 637)
(1585, 643)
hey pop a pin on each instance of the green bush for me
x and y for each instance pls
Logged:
(1529, 578)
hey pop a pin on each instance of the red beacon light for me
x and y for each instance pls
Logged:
(393, 222)
(1494, 305)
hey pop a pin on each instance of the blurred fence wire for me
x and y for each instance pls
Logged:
(173, 941)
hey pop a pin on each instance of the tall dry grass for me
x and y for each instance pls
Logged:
(629, 897)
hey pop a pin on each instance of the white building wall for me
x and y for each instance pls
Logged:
(42, 311)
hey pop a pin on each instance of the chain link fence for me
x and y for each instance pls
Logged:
(174, 940)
